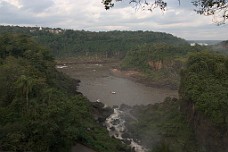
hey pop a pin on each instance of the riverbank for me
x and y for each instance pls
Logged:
(112, 66)
(140, 77)
(86, 60)
(98, 82)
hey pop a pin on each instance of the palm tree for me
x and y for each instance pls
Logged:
(25, 85)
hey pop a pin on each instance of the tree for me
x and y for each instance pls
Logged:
(25, 84)
(216, 8)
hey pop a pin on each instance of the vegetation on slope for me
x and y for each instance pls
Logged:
(196, 122)
(40, 109)
(108, 44)
(204, 82)
(160, 63)
(204, 95)
(162, 127)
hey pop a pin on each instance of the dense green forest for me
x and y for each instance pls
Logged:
(204, 95)
(40, 109)
(160, 63)
(204, 82)
(107, 44)
(197, 122)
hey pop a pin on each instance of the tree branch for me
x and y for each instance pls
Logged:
(216, 8)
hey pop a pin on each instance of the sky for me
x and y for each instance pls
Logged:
(90, 15)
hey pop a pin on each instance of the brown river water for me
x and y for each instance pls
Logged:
(98, 84)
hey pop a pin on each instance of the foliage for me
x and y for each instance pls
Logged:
(217, 8)
(163, 147)
(146, 5)
(162, 127)
(204, 82)
(106, 44)
(40, 109)
(159, 62)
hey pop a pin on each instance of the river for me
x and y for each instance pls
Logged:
(98, 84)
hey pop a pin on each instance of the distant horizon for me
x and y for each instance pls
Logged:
(90, 15)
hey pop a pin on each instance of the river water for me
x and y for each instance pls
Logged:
(116, 91)
(99, 85)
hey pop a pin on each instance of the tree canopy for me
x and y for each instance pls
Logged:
(204, 83)
(40, 109)
(113, 43)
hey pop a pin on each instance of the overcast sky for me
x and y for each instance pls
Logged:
(90, 15)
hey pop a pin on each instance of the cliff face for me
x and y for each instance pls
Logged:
(203, 91)
(165, 64)
(156, 65)
(210, 138)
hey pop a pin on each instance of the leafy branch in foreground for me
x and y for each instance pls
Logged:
(216, 8)
(144, 4)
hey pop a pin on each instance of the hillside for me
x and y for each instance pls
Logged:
(197, 122)
(224, 44)
(203, 92)
(105, 44)
(159, 64)
(160, 127)
(39, 107)
(221, 47)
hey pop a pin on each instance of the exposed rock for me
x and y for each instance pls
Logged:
(112, 129)
(156, 65)
(100, 111)
(116, 121)
(211, 138)
(127, 141)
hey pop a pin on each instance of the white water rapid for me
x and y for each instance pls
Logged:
(115, 125)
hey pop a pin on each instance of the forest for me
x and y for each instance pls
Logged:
(160, 63)
(140, 50)
(197, 121)
(41, 109)
(204, 82)
(65, 42)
